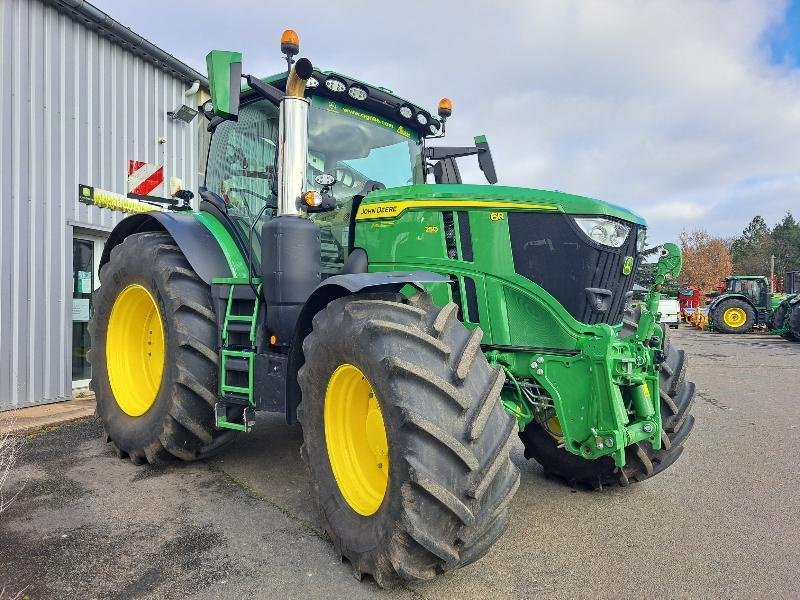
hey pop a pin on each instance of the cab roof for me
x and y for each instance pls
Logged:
(379, 101)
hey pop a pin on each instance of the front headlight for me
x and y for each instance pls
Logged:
(604, 231)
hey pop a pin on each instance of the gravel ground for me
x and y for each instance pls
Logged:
(721, 523)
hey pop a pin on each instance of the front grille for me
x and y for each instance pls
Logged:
(552, 251)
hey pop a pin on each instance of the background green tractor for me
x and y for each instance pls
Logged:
(411, 328)
(785, 317)
(747, 303)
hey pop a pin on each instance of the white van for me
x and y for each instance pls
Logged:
(670, 312)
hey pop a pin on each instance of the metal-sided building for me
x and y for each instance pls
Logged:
(84, 100)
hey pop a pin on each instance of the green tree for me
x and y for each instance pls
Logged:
(751, 251)
(786, 245)
(645, 274)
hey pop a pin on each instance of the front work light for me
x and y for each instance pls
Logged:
(357, 93)
(604, 231)
(335, 85)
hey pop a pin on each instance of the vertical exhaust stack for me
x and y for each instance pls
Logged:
(290, 245)
(293, 140)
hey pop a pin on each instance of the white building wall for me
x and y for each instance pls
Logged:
(74, 108)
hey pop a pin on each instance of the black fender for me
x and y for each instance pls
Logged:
(195, 241)
(332, 288)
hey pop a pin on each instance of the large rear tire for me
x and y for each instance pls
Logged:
(733, 316)
(794, 323)
(154, 363)
(642, 462)
(405, 437)
(780, 319)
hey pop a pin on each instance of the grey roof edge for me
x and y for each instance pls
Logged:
(98, 21)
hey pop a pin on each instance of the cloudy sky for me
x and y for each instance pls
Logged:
(686, 111)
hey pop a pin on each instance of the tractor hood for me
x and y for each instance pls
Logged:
(544, 199)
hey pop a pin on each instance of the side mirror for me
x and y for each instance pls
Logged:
(485, 161)
(446, 170)
(225, 81)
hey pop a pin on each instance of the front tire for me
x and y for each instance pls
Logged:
(155, 405)
(442, 449)
(642, 462)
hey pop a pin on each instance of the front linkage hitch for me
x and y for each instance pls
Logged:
(605, 394)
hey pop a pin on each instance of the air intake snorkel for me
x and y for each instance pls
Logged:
(293, 140)
(290, 244)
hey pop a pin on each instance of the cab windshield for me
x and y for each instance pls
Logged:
(355, 147)
(343, 141)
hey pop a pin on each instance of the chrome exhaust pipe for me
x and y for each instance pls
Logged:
(293, 141)
(290, 246)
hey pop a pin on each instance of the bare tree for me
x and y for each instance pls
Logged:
(706, 259)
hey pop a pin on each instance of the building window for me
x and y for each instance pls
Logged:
(86, 253)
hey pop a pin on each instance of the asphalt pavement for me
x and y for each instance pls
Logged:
(720, 523)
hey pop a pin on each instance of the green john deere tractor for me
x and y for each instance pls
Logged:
(785, 317)
(747, 303)
(412, 328)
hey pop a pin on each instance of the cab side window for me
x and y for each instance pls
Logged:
(242, 165)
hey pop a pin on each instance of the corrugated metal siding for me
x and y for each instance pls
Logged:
(73, 109)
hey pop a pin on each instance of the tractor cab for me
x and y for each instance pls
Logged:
(755, 289)
(342, 139)
(348, 150)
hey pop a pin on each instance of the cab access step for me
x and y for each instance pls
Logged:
(242, 369)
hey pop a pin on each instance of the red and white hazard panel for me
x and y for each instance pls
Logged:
(145, 179)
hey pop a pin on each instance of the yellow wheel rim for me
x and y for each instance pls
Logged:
(135, 350)
(355, 436)
(553, 427)
(734, 317)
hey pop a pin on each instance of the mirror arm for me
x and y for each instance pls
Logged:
(440, 152)
(212, 125)
(265, 90)
(446, 170)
